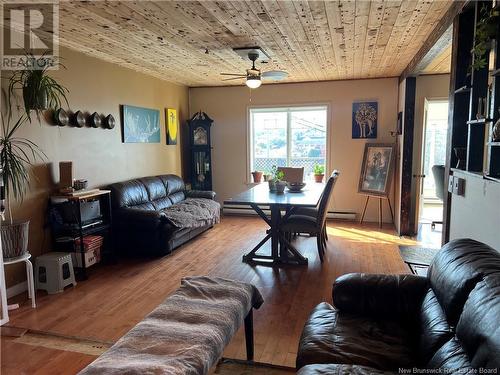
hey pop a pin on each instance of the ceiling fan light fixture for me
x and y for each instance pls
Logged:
(253, 82)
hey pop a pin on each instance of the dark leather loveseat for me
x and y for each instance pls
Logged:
(448, 322)
(139, 222)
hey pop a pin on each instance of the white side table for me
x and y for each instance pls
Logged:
(29, 274)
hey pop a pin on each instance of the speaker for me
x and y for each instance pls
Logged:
(65, 174)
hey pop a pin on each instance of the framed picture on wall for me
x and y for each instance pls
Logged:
(376, 169)
(364, 120)
(172, 126)
(140, 125)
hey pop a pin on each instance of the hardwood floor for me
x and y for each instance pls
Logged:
(118, 296)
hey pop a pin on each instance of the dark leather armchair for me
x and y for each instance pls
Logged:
(139, 224)
(448, 320)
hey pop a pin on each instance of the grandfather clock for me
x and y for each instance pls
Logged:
(200, 150)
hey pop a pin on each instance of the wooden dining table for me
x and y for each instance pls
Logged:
(281, 206)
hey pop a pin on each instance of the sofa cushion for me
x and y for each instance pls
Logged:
(434, 328)
(128, 194)
(162, 203)
(333, 337)
(479, 326)
(451, 356)
(172, 183)
(155, 187)
(455, 271)
(177, 197)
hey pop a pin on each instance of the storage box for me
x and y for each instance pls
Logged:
(91, 257)
(92, 246)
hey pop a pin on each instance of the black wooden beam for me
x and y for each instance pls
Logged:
(459, 102)
(407, 156)
(433, 38)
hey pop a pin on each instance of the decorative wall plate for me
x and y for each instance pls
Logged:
(61, 117)
(95, 120)
(79, 119)
(109, 122)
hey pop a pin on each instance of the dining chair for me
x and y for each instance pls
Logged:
(292, 174)
(313, 225)
(313, 211)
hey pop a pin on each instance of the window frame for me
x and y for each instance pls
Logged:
(288, 108)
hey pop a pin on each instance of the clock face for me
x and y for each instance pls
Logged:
(200, 136)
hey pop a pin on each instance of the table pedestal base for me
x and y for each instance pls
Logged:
(282, 251)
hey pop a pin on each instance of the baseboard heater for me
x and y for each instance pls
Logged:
(229, 209)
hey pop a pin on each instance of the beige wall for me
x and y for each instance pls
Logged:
(427, 87)
(228, 106)
(98, 154)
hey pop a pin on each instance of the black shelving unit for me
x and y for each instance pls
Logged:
(66, 233)
(468, 130)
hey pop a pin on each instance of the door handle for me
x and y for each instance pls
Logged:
(419, 176)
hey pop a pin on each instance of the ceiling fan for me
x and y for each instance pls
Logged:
(254, 76)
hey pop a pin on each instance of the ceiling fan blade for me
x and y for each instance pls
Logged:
(232, 79)
(275, 74)
(233, 74)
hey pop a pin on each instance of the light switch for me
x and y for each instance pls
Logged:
(450, 184)
(458, 186)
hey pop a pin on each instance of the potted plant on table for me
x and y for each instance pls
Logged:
(17, 154)
(275, 180)
(257, 176)
(319, 172)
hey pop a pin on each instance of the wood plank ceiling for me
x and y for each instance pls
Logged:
(312, 40)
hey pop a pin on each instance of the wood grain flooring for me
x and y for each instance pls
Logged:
(118, 296)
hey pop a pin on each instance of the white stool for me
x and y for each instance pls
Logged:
(29, 274)
(54, 271)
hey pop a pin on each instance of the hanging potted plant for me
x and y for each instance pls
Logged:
(17, 154)
(39, 91)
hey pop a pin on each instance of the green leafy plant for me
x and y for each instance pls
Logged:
(276, 174)
(17, 155)
(319, 169)
(39, 90)
(486, 29)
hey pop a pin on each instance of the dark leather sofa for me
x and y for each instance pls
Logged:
(448, 322)
(139, 225)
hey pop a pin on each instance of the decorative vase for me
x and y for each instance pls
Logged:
(257, 176)
(319, 177)
(461, 154)
(272, 184)
(14, 239)
(280, 187)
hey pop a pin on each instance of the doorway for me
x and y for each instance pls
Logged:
(431, 191)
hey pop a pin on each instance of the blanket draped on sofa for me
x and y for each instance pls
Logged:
(193, 213)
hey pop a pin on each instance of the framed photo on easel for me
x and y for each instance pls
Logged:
(376, 174)
(376, 170)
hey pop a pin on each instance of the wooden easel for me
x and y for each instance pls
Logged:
(379, 209)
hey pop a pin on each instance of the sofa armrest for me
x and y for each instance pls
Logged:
(137, 216)
(381, 296)
(200, 194)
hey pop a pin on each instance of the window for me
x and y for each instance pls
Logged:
(288, 137)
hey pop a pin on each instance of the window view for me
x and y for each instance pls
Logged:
(435, 143)
(288, 137)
